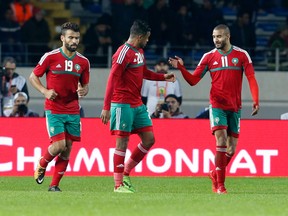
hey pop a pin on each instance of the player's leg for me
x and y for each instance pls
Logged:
(120, 124)
(72, 127)
(233, 134)
(147, 141)
(231, 148)
(220, 159)
(60, 167)
(142, 125)
(118, 162)
(218, 122)
(56, 133)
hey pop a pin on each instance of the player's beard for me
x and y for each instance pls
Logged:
(70, 48)
(220, 45)
(142, 45)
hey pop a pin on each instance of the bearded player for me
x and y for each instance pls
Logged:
(67, 77)
(123, 104)
(226, 64)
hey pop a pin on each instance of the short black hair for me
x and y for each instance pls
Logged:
(69, 26)
(139, 27)
(223, 27)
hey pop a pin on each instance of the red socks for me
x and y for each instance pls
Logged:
(220, 164)
(46, 159)
(119, 157)
(60, 168)
(137, 155)
(228, 158)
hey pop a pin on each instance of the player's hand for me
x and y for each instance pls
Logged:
(170, 77)
(105, 116)
(255, 109)
(82, 90)
(175, 61)
(50, 94)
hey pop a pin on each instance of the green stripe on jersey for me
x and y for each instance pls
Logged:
(66, 72)
(225, 68)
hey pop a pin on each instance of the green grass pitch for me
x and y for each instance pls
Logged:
(155, 196)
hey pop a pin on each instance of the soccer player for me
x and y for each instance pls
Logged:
(123, 103)
(67, 78)
(226, 64)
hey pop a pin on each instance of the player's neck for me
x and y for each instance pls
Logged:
(132, 42)
(226, 48)
(67, 52)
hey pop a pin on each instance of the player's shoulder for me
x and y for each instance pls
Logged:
(49, 55)
(124, 51)
(209, 53)
(82, 56)
(239, 50)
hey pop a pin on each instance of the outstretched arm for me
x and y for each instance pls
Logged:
(177, 62)
(254, 89)
(150, 75)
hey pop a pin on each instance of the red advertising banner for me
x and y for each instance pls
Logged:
(183, 148)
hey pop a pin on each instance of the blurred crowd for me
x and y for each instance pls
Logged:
(174, 23)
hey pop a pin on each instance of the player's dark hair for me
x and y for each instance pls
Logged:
(139, 27)
(223, 27)
(69, 26)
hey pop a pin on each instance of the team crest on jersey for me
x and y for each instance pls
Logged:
(77, 67)
(235, 61)
(124, 125)
(52, 130)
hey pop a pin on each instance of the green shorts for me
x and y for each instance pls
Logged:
(223, 119)
(63, 126)
(126, 120)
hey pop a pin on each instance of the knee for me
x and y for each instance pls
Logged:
(59, 147)
(149, 143)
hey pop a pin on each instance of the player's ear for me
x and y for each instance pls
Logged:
(62, 37)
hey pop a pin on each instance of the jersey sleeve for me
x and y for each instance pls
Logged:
(86, 74)
(247, 65)
(150, 75)
(144, 90)
(42, 66)
(115, 74)
(202, 67)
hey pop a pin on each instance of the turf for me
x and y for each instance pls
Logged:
(155, 196)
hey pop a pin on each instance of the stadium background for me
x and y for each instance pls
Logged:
(271, 132)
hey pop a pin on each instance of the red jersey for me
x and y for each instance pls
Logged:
(126, 77)
(62, 75)
(226, 71)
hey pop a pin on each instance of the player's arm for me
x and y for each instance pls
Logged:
(150, 75)
(82, 90)
(83, 87)
(113, 78)
(253, 85)
(36, 83)
(254, 89)
(179, 64)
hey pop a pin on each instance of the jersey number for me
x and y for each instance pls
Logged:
(224, 60)
(68, 65)
(139, 58)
